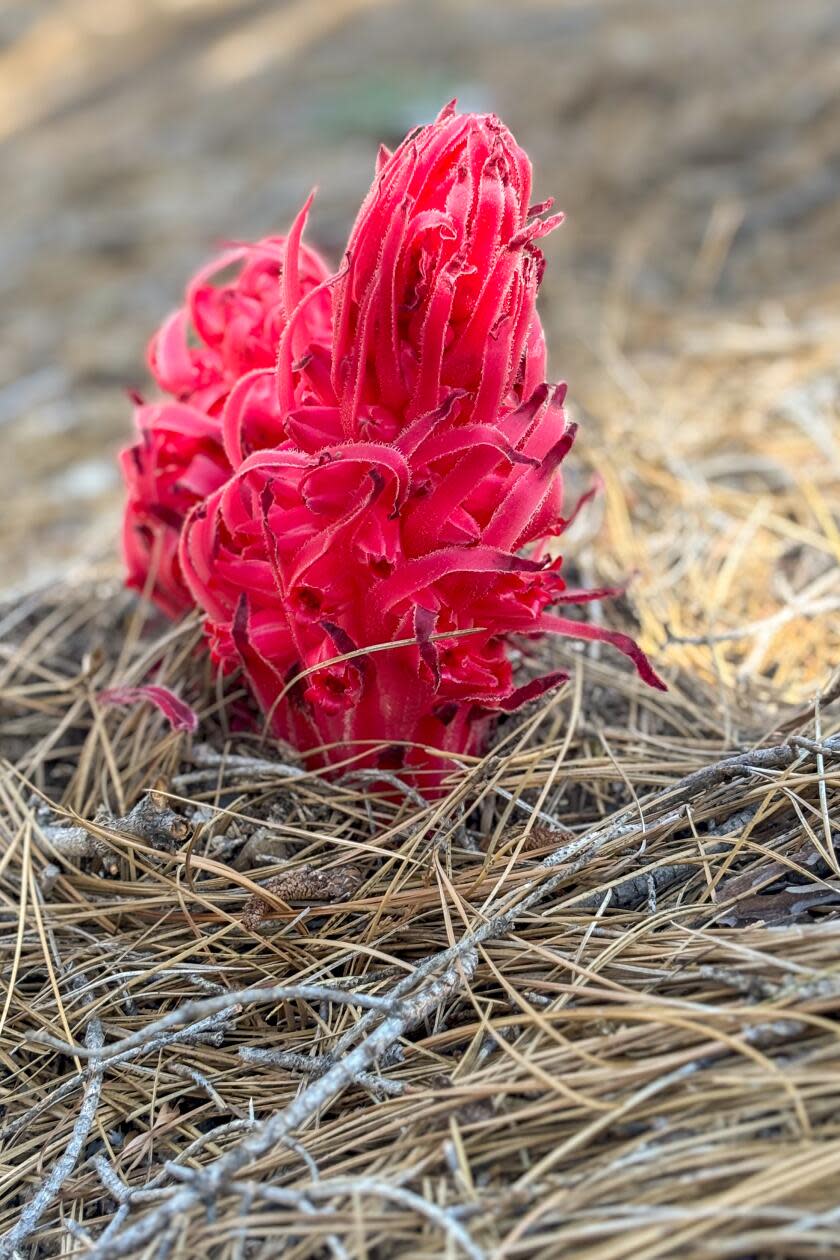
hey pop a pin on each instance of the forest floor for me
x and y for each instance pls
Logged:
(586, 1005)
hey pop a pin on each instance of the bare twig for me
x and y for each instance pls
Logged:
(151, 821)
(307, 1065)
(209, 1031)
(203, 1009)
(62, 1168)
(307, 1104)
(207, 758)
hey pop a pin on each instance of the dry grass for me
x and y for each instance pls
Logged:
(603, 972)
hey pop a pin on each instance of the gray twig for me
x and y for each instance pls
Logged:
(206, 758)
(313, 1066)
(776, 757)
(65, 1164)
(208, 1182)
(393, 780)
(298, 1199)
(150, 821)
(203, 1008)
(208, 1031)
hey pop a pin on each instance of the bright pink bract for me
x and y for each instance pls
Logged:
(225, 335)
(359, 473)
(441, 282)
(178, 714)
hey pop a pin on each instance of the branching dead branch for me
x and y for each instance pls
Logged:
(150, 821)
(63, 1167)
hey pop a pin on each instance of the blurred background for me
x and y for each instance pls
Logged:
(695, 149)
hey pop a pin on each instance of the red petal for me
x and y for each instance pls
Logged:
(584, 630)
(179, 715)
(530, 691)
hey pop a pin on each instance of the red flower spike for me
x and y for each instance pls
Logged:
(369, 519)
(177, 462)
(442, 277)
(216, 359)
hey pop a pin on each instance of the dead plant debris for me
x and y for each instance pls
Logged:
(586, 1004)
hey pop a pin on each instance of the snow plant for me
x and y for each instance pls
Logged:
(356, 475)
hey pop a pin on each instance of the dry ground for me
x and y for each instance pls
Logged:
(586, 1006)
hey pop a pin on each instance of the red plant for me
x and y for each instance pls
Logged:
(442, 277)
(225, 335)
(374, 551)
(177, 462)
(301, 559)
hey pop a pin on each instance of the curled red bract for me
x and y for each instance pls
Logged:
(178, 714)
(361, 475)
(218, 349)
(442, 274)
